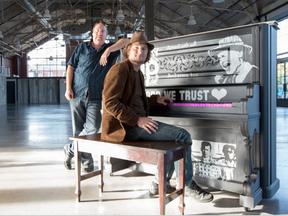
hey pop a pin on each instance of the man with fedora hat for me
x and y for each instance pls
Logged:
(125, 113)
(230, 53)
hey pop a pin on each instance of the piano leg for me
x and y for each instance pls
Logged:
(252, 192)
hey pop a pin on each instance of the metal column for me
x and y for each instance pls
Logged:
(149, 19)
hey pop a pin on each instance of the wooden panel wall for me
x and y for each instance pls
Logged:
(23, 91)
(33, 91)
(62, 89)
(41, 90)
(48, 91)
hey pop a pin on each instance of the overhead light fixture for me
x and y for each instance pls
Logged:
(1, 35)
(59, 30)
(51, 58)
(67, 41)
(175, 34)
(47, 14)
(28, 59)
(191, 20)
(118, 30)
(120, 15)
(218, 1)
(18, 45)
(31, 42)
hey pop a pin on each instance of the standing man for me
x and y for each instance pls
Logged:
(86, 72)
(126, 109)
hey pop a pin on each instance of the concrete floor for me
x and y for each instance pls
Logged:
(33, 180)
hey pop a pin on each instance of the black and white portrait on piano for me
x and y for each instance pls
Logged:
(230, 54)
(214, 160)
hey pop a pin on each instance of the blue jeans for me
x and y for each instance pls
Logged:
(86, 117)
(166, 132)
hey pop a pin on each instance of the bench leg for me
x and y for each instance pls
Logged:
(101, 183)
(77, 159)
(162, 170)
(181, 171)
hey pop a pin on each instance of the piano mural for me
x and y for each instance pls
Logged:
(223, 88)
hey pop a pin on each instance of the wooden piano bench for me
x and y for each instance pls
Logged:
(160, 153)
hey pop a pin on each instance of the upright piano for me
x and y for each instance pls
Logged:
(223, 87)
(222, 84)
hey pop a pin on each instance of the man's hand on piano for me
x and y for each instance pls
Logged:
(164, 100)
(148, 124)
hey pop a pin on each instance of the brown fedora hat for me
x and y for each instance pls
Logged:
(141, 38)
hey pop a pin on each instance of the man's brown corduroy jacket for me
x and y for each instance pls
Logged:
(118, 96)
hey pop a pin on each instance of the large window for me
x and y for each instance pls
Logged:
(282, 80)
(282, 64)
(282, 35)
(49, 59)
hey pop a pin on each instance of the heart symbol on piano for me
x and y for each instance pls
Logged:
(219, 94)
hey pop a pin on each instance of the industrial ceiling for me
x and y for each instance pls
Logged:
(25, 24)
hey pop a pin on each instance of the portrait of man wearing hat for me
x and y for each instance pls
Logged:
(125, 113)
(230, 54)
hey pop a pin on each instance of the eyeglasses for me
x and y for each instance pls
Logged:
(100, 31)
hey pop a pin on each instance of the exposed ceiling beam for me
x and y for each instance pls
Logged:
(34, 13)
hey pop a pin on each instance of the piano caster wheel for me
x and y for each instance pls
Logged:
(247, 209)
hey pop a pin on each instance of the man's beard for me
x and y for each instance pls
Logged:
(138, 61)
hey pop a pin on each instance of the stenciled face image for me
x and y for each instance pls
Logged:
(231, 153)
(230, 60)
(207, 151)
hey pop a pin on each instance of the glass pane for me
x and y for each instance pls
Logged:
(286, 80)
(280, 80)
(49, 59)
(282, 45)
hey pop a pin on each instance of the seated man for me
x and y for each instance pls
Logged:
(125, 113)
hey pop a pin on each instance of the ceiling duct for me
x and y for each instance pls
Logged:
(33, 13)
(138, 22)
(17, 50)
(31, 9)
(1, 35)
(11, 51)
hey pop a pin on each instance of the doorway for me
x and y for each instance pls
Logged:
(11, 91)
